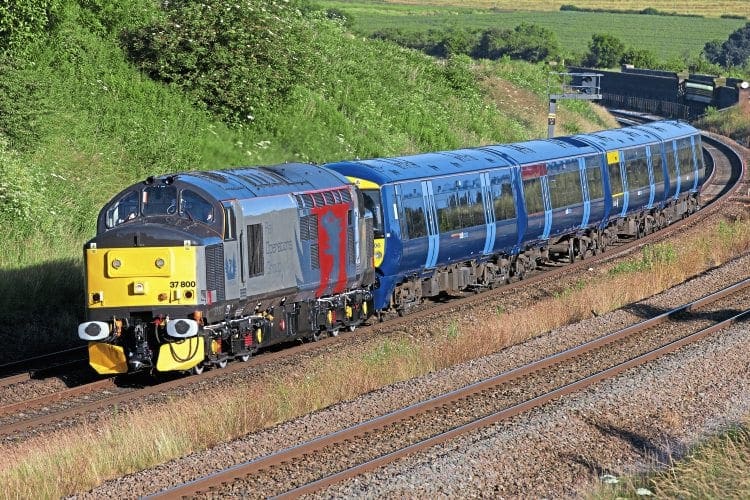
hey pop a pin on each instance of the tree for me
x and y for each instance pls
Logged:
(712, 51)
(239, 59)
(526, 41)
(735, 51)
(640, 58)
(605, 51)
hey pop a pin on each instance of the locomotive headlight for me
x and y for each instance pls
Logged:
(182, 328)
(93, 330)
(159, 263)
(378, 255)
(117, 264)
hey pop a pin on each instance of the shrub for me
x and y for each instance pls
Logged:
(239, 59)
(25, 21)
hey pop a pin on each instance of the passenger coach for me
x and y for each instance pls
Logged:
(459, 220)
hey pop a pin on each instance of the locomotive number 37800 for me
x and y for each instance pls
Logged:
(182, 284)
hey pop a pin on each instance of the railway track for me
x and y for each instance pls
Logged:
(41, 366)
(31, 416)
(342, 455)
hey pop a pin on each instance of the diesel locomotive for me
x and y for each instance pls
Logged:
(193, 269)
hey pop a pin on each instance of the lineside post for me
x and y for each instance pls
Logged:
(580, 86)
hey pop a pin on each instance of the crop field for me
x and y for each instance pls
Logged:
(668, 37)
(698, 7)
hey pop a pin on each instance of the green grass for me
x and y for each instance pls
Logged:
(652, 255)
(667, 36)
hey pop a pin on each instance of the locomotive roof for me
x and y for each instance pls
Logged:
(252, 182)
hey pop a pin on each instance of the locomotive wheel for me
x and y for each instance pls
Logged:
(335, 332)
(197, 369)
(223, 363)
(244, 358)
(352, 328)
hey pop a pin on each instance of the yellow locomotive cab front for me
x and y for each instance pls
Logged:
(141, 276)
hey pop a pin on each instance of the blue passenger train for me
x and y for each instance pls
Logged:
(472, 218)
(190, 270)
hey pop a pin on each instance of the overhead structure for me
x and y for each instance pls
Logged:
(580, 86)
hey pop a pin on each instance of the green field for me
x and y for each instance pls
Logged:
(708, 8)
(669, 37)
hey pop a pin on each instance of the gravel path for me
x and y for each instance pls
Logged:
(628, 424)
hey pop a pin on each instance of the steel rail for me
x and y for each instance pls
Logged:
(308, 448)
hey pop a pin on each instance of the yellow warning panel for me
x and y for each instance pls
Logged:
(107, 359)
(613, 157)
(363, 183)
(181, 355)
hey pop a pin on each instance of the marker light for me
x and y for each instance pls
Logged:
(117, 264)
(159, 262)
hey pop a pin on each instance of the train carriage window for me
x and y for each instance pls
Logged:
(594, 177)
(671, 164)
(636, 168)
(413, 223)
(657, 164)
(685, 157)
(502, 198)
(255, 249)
(699, 156)
(532, 190)
(459, 203)
(125, 209)
(159, 199)
(565, 187)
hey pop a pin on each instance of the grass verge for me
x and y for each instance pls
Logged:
(715, 469)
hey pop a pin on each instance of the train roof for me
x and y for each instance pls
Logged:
(405, 168)
(639, 134)
(250, 182)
